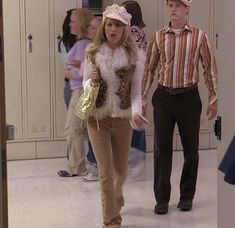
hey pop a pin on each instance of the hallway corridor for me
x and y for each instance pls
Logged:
(39, 198)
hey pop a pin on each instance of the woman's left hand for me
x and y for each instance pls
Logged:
(95, 75)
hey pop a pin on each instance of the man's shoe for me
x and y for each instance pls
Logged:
(161, 208)
(185, 204)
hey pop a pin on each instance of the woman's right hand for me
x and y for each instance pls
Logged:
(95, 75)
(138, 122)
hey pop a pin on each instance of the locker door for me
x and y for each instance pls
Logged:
(38, 69)
(13, 66)
(60, 11)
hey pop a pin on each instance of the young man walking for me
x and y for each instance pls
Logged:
(177, 50)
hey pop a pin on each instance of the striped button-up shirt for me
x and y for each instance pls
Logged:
(178, 56)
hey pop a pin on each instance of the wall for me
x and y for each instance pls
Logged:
(34, 82)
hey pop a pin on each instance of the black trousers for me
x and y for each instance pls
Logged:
(183, 109)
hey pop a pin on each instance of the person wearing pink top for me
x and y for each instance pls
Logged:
(138, 142)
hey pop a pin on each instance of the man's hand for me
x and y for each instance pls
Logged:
(212, 111)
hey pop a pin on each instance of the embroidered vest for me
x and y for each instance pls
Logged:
(124, 91)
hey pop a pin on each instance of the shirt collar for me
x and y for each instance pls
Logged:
(187, 26)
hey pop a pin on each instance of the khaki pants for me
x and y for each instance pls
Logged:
(75, 134)
(111, 146)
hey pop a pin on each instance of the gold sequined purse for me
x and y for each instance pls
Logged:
(86, 102)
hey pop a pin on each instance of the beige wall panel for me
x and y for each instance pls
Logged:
(39, 119)
(226, 63)
(213, 139)
(50, 149)
(150, 142)
(18, 151)
(150, 10)
(200, 14)
(13, 68)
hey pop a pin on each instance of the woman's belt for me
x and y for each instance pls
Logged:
(115, 115)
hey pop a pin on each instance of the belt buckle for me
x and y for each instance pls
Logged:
(114, 115)
(175, 91)
(170, 90)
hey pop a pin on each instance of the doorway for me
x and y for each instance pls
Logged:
(3, 162)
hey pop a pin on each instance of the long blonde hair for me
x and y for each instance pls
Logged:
(84, 17)
(126, 40)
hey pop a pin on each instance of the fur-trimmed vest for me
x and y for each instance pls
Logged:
(120, 87)
(124, 74)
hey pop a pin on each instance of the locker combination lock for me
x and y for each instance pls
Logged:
(217, 127)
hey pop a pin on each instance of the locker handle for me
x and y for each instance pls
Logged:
(30, 44)
(30, 37)
(58, 40)
(58, 37)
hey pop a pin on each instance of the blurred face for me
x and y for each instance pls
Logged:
(113, 30)
(74, 25)
(93, 27)
(177, 10)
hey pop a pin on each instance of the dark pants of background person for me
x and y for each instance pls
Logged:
(138, 150)
(185, 110)
(90, 155)
(67, 93)
(139, 140)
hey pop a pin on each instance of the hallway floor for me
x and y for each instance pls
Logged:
(39, 198)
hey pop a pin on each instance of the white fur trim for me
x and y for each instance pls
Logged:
(108, 60)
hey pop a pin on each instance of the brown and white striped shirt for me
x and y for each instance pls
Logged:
(178, 56)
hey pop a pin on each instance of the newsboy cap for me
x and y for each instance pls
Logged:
(187, 2)
(118, 13)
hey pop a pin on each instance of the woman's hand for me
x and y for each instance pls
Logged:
(95, 75)
(138, 122)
